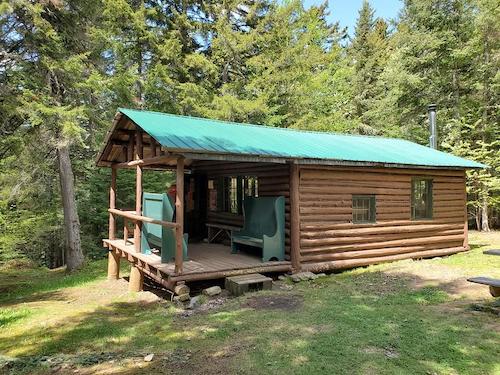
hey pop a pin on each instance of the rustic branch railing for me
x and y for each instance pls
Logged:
(132, 216)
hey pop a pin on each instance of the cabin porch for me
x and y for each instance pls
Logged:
(207, 205)
(206, 261)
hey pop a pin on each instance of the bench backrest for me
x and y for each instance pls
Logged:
(160, 207)
(262, 215)
(156, 206)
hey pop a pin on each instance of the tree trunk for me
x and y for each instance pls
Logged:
(485, 226)
(478, 218)
(72, 243)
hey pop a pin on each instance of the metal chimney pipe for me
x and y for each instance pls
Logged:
(432, 126)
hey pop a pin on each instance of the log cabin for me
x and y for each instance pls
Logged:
(349, 200)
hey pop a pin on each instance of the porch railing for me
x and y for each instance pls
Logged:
(132, 216)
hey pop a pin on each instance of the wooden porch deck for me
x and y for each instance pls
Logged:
(206, 261)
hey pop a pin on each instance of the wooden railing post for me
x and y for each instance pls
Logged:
(294, 218)
(112, 204)
(125, 230)
(138, 192)
(136, 276)
(179, 215)
(113, 257)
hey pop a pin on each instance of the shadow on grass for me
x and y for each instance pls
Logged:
(371, 322)
(377, 323)
(121, 333)
(40, 283)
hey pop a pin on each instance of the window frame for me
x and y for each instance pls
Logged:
(231, 192)
(429, 204)
(372, 208)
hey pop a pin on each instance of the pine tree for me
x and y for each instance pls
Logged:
(286, 69)
(368, 53)
(476, 135)
(58, 78)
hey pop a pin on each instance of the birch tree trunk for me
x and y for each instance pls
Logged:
(72, 243)
(485, 225)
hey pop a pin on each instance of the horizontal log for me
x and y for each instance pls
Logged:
(144, 219)
(335, 183)
(447, 197)
(354, 190)
(314, 218)
(380, 230)
(445, 204)
(382, 244)
(325, 210)
(326, 225)
(360, 254)
(350, 263)
(366, 239)
(149, 161)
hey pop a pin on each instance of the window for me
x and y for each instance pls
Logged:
(363, 208)
(226, 194)
(421, 198)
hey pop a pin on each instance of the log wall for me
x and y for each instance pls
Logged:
(329, 239)
(273, 180)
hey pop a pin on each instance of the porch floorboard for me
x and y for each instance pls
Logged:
(206, 261)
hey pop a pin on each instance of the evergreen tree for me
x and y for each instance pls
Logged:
(56, 72)
(368, 53)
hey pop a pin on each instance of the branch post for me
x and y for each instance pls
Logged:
(136, 276)
(179, 215)
(113, 257)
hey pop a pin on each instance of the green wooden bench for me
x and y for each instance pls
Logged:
(160, 207)
(263, 227)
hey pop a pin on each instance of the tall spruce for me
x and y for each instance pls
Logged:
(368, 53)
(56, 75)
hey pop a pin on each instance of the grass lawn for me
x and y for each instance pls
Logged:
(408, 317)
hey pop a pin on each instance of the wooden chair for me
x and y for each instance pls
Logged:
(263, 227)
(160, 207)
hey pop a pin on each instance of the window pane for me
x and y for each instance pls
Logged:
(363, 208)
(421, 198)
(233, 195)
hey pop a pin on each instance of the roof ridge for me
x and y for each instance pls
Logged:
(268, 126)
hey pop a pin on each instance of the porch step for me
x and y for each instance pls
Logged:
(238, 285)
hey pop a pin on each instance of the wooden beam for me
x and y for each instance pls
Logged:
(125, 230)
(113, 258)
(294, 218)
(112, 204)
(130, 149)
(131, 215)
(144, 162)
(179, 215)
(138, 191)
(136, 276)
(153, 147)
(466, 218)
(136, 280)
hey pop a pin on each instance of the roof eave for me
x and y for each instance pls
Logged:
(116, 120)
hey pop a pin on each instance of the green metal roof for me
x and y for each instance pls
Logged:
(200, 135)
